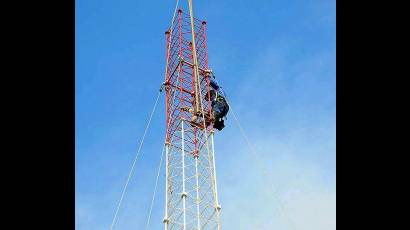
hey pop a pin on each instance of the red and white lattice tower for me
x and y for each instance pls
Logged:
(191, 189)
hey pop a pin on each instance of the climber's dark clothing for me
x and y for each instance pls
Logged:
(220, 109)
(219, 105)
(214, 85)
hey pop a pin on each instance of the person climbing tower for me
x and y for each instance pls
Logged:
(219, 105)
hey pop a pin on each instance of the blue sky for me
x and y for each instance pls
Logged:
(275, 59)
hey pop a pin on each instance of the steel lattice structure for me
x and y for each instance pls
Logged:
(191, 189)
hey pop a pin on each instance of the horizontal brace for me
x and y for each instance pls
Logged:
(204, 71)
(180, 88)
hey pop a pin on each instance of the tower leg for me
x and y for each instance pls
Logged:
(197, 194)
(166, 220)
(184, 194)
(217, 206)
